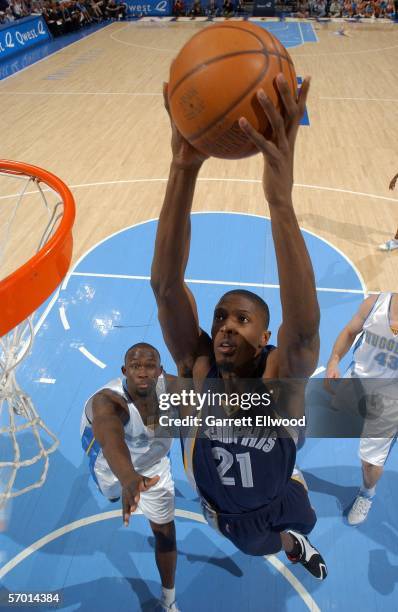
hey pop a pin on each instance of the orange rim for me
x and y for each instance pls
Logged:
(23, 291)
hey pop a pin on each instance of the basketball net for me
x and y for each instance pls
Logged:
(41, 210)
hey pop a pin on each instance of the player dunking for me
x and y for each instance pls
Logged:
(247, 489)
(127, 460)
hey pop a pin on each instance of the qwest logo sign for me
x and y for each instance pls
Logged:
(22, 34)
(151, 7)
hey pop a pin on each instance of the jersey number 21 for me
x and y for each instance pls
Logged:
(226, 460)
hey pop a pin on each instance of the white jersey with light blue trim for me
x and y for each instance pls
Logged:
(376, 352)
(145, 448)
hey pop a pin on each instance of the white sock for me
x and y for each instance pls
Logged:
(368, 493)
(168, 596)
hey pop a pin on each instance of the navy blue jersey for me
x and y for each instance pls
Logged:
(238, 470)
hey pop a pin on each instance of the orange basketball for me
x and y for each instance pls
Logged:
(214, 80)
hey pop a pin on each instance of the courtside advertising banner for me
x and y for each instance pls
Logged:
(21, 35)
(153, 8)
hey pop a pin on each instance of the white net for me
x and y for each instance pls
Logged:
(30, 213)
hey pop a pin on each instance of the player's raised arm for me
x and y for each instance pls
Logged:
(176, 305)
(109, 418)
(298, 340)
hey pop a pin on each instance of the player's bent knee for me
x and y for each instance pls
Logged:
(165, 536)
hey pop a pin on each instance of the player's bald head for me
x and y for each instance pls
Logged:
(142, 347)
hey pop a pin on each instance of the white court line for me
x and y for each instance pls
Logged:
(325, 54)
(332, 53)
(62, 314)
(78, 93)
(239, 180)
(295, 583)
(357, 193)
(67, 277)
(360, 99)
(46, 312)
(117, 514)
(197, 281)
(91, 357)
(47, 381)
(215, 179)
(301, 34)
(316, 35)
(129, 44)
(216, 212)
(319, 371)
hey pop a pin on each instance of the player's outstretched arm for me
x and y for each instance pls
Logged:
(346, 338)
(298, 339)
(176, 305)
(109, 418)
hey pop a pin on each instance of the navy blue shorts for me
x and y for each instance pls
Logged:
(258, 532)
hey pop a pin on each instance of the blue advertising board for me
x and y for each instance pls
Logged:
(264, 8)
(153, 8)
(22, 34)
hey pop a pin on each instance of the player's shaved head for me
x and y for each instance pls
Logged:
(141, 345)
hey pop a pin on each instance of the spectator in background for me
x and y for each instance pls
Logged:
(303, 9)
(70, 16)
(102, 4)
(212, 9)
(18, 8)
(94, 8)
(347, 8)
(115, 10)
(354, 9)
(84, 15)
(196, 9)
(178, 8)
(4, 4)
(318, 8)
(239, 8)
(368, 9)
(53, 19)
(390, 9)
(380, 8)
(228, 8)
(3, 8)
(37, 7)
(335, 9)
(9, 16)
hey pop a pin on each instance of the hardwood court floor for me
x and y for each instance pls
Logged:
(93, 114)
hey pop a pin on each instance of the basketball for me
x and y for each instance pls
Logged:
(214, 80)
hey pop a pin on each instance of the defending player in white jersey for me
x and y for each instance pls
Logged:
(375, 357)
(127, 460)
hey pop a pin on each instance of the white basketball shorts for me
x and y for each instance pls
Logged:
(156, 504)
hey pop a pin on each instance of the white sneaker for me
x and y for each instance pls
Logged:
(359, 510)
(390, 245)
